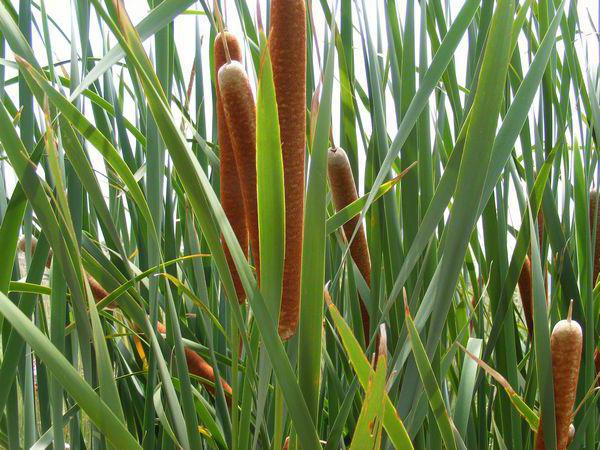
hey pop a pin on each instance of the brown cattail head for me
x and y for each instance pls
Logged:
(98, 291)
(198, 366)
(240, 113)
(595, 225)
(565, 344)
(22, 244)
(526, 293)
(287, 47)
(344, 192)
(231, 191)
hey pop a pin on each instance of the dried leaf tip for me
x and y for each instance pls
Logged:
(382, 350)
(405, 298)
(327, 296)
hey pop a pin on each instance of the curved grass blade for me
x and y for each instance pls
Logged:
(391, 421)
(503, 144)
(466, 388)
(432, 389)
(313, 251)
(342, 216)
(368, 430)
(435, 71)
(96, 138)
(519, 404)
(100, 414)
(155, 21)
(541, 338)
(476, 154)
(269, 175)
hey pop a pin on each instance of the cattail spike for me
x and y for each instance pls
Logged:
(344, 193)
(566, 343)
(240, 115)
(526, 293)
(231, 191)
(287, 47)
(198, 366)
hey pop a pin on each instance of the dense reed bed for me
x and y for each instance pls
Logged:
(306, 225)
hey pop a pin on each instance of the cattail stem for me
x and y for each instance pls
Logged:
(222, 30)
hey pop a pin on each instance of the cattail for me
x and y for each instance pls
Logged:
(595, 222)
(540, 227)
(198, 366)
(287, 47)
(97, 290)
(22, 244)
(231, 192)
(240, 112)
(526, 292)
(344, 192)
(565, 344)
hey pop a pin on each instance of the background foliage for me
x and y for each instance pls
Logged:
(110, 159)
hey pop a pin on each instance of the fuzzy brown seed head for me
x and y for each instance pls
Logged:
(540, 225)
(233, 45)
(97, 290)
(595, 225)
(287, 47)
(526, 294)
(240, 114)
(344, 193)
(22, 244)
(566, 344)
(232, 76)
(198, 366)
(231, 191)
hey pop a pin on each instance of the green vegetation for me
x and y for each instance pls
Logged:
(131, 316)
